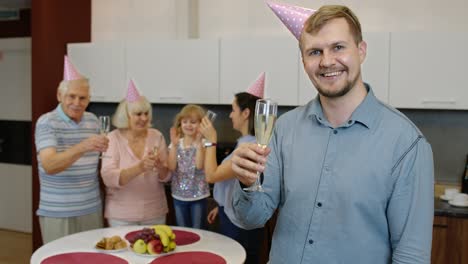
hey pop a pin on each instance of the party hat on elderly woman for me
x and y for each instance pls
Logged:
(132, 92)
(257, 88)
(293, 17)
(69, 71)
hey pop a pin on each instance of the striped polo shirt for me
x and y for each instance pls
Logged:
(74, 191)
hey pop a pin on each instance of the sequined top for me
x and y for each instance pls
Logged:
(188, 183)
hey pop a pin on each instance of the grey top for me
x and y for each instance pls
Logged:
(358, 193)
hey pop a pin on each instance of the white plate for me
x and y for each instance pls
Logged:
(111, 250)
(444, 198)
(153, 256)
(458, 204)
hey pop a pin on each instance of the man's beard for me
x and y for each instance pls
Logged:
(339, 93)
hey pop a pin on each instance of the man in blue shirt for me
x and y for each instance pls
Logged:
(352, 178)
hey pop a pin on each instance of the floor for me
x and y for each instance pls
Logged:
(15, 247)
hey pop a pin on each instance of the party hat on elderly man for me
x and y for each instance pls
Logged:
(132, 93)
(257, 88)
(69, 71)
(293, 17)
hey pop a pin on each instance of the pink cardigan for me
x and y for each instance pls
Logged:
(143, 198)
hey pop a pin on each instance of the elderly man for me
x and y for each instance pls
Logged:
(68, 146)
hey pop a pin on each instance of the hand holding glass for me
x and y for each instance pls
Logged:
(266, 112)
(211, 116)
(104, 128)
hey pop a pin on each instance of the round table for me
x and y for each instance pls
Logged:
(209, 241)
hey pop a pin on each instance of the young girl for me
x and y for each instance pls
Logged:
(186, 157)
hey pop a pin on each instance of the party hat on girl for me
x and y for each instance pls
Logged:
(293, 17)
(257, 88)
(132, 93)
(69, 71)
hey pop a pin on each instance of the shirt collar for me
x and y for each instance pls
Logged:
(364, 113)
(62, 114)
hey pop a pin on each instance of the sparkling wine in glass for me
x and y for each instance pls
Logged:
(266, 112)
(104, 128)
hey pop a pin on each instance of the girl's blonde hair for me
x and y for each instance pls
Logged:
(188, 111)
(120, 118)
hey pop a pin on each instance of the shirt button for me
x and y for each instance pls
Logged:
(349, 122)
(311, 241)
(319, 204)
(335, 131)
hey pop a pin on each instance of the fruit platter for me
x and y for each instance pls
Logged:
(153, 241)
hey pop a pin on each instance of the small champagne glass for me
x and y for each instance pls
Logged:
(211, 116)
(266, 112)
(104, 128)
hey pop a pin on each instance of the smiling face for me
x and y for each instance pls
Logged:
(75, 99)
(139, 120)
(332, 59)
(189, 125)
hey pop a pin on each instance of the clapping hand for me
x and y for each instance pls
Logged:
(174, 135)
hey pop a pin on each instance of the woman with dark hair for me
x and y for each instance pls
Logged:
(242, 117)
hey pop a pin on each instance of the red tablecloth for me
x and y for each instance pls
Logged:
(191, 257)
(83, 257)
(182, 237)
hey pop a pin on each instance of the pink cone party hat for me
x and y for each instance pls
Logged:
(69, 71)
(258, 87)
(293, 17)
(132, 93)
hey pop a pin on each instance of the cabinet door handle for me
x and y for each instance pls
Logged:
(171, 97)
(439, 101)
(440, 225)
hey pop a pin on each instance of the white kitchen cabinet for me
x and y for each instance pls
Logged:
(175, 71)
(243, 59)
(428, 70)
(374, 69)
(104, 64)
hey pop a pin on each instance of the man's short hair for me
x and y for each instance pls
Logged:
(328, 12)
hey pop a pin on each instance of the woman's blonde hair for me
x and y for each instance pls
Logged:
(188, 111)
(120, 118)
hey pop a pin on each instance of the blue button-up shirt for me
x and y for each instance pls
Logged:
(358, 193)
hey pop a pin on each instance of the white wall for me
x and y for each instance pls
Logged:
(141, 19)
(15, 104)
(123, 19)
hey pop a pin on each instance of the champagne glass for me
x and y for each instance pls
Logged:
(104, 128)
(211, 116)
(266, 112)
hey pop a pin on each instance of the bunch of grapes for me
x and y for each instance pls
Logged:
(146, 234)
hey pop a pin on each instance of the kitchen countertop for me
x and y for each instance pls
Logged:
(442, 208)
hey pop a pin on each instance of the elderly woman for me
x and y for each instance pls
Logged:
(134, 166)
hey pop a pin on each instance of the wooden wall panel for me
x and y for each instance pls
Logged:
(54, 24)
